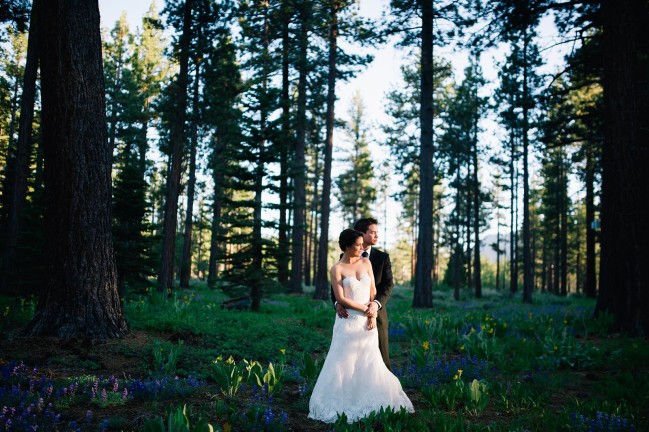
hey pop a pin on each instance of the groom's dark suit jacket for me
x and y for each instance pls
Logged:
(382, 269)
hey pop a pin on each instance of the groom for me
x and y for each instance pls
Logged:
(382, 269)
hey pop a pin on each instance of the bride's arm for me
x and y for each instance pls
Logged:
(336, 281)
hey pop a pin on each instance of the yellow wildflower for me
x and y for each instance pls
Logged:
(425, 345)
(455, 377)
(459, 371)
(461, 347)
(283, 350)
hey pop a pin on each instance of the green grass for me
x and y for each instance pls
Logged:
(539, 366)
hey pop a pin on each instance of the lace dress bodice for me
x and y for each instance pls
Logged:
(357, 290)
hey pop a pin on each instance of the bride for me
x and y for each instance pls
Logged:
(354, 380)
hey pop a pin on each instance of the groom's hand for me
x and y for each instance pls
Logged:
(372, 309)
(341, 311)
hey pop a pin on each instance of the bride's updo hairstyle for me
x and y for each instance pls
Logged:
(347, 238)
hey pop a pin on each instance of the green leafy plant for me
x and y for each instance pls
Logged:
(178, 421)
(229, 375)
(165, 361)
(271, 379)
(477, 396)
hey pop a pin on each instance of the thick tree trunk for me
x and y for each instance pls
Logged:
(166, 273)
(624, 273)
(80, 298)
(423, 296)
(18, 182)
(321, 282)
(186, 261)
(299, 169)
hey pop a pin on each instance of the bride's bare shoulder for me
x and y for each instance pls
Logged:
(335, 268)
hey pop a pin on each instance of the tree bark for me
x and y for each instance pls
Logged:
(174, 172)
(283, 253)
(563, 215)
(624, 273)
(219, 177)
(321, 284)
(257, 244)
(299, 169)
(528, 265)
(498, 253)
(18, 181)
(423, 296)
(80, 298)
(186, 261)
(477, 277)
(591, 275)
(513, 220)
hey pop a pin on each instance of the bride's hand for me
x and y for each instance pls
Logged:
(371, 323)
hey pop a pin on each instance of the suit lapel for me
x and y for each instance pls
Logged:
(375, 259)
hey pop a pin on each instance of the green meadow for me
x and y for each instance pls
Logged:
(490, 364)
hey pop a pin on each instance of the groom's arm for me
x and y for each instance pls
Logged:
(384, 288)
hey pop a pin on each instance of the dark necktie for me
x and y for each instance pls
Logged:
(365, 254)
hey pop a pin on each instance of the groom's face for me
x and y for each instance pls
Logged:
(371, 236)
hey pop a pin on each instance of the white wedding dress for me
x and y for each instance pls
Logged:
(354, 380)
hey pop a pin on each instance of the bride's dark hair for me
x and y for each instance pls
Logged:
(347, 238)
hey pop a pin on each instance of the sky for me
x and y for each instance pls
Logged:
(372, 84)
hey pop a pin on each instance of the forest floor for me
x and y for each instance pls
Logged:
(493, 364)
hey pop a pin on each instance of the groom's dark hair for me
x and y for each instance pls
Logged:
(363, 225)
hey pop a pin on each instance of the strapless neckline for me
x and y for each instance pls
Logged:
(355, 278)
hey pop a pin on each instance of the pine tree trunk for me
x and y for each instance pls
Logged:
(18, 186)
(423, 296)
(591, 275)
(624, 273)
(299, 169)
(283, 252)
(186, 261)
(467, 227)
(166, 273)
(80, 299)
(321, 282)
(528, 269)
(498, 254)
(307, 248)
(564, 227)
(477, 277)
(218, 176)
(257, 243)
(513, 263)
